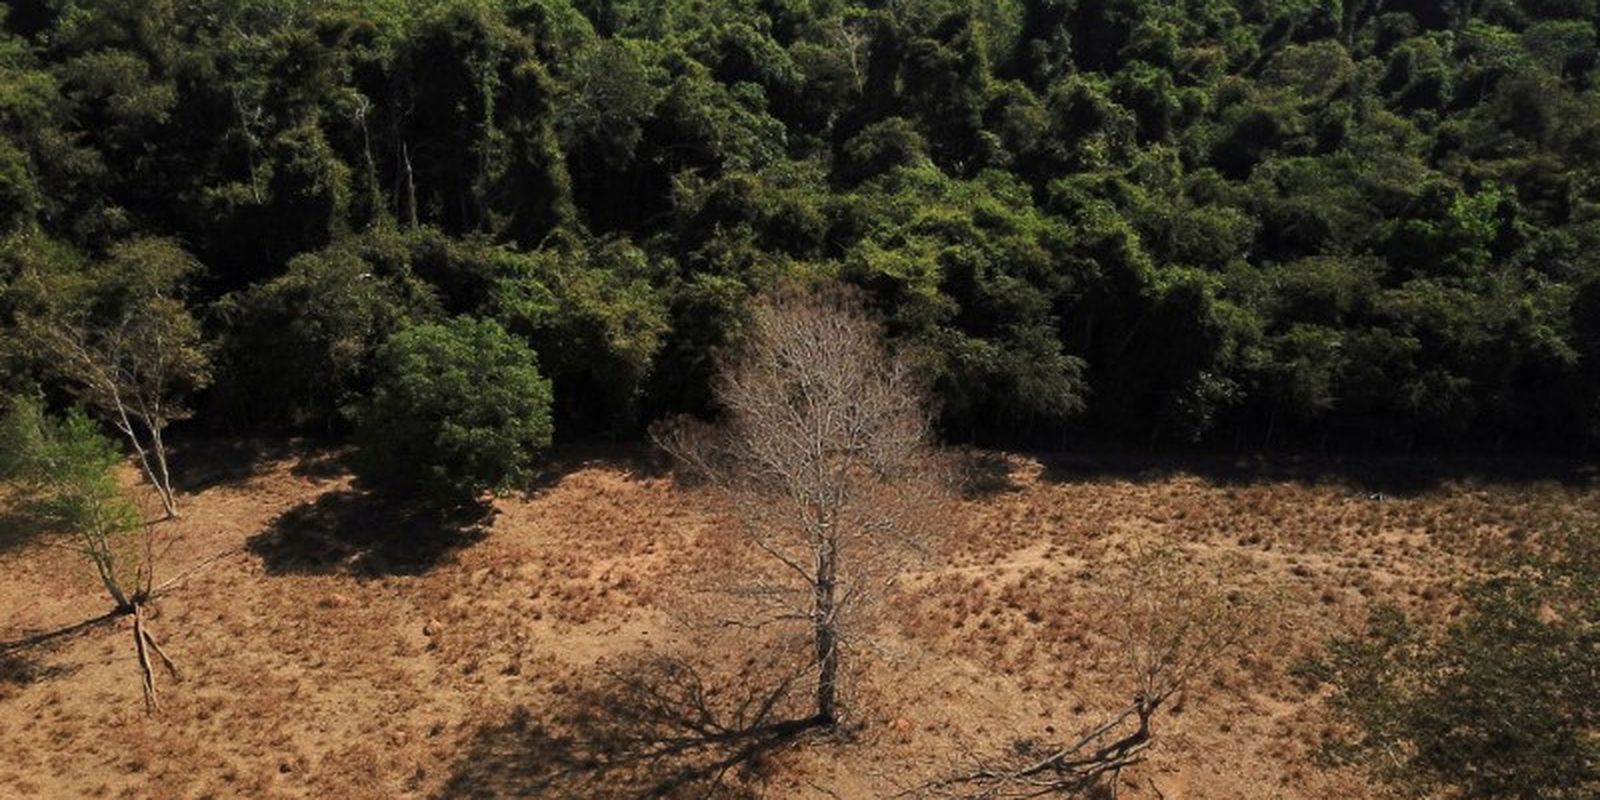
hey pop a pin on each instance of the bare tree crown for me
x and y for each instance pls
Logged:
(824, 454)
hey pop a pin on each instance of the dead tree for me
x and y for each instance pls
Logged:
(823, 455)
(1170, 626)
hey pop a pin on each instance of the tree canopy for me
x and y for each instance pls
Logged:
(458, 409)
(1368, 223)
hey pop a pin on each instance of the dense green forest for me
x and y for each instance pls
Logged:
(1359, 224)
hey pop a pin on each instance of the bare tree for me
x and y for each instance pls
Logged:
(823, 454)
(131, 349)
(1170, 626)
(850, 35)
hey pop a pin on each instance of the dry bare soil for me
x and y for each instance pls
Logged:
(334, 648)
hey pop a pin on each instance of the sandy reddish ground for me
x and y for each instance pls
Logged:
(322, 662)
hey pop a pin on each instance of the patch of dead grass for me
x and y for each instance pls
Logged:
(374, 683)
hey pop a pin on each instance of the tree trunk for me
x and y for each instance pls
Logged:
(169, 499)
(106, 569)
(827, 635)
(411, 186)
(146, 673)
(163, 487)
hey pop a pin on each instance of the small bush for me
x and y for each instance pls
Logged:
(456, 409)
(65, 472)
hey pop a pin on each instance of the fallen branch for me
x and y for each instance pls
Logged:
(1171, 628)
(145, 643)
(166, 661)
(1067, 771)
(190, 572)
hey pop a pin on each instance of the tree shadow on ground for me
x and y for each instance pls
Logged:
(654, 728)
(203, 463)
(1379, 475)
(985, 473)
(18, 670)
(366, 531)
(362, 532)
(321, 465)
(18, 529)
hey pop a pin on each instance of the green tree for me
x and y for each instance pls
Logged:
(599, 320)
(977, 277)
(122, 338)
(608, 98)
(66, 470)
(296, 349)
(457, 409)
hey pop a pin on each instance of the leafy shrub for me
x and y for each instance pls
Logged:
(1505, 704)
(64, 470)
(297, 348)
(456, 409)
(599, 323)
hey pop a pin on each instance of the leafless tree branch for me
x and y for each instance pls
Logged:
(823, 454)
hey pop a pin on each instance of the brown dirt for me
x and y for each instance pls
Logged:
(324, 661)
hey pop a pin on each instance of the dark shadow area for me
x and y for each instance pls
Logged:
(1379, 475)
(322, 465)
(19, 669)
(366, 533)
(18, 529)
(204, 463)
(985, 473)
(60, 634)
(654, 728)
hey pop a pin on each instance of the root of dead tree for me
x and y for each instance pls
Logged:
(144, 642)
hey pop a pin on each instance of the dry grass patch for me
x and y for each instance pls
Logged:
(363, 683)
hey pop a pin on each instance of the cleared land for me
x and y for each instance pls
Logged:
(323, 659)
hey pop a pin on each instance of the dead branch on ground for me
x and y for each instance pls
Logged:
(1171, 627)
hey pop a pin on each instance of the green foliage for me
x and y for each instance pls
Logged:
(456, 409)
(881, 147)
(601, 322)
(298, 348)
(1503, 704)
(19, 198)
(118, 332)
(1272, 220)
(611, 99)
(968, 271)
(65, 470)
